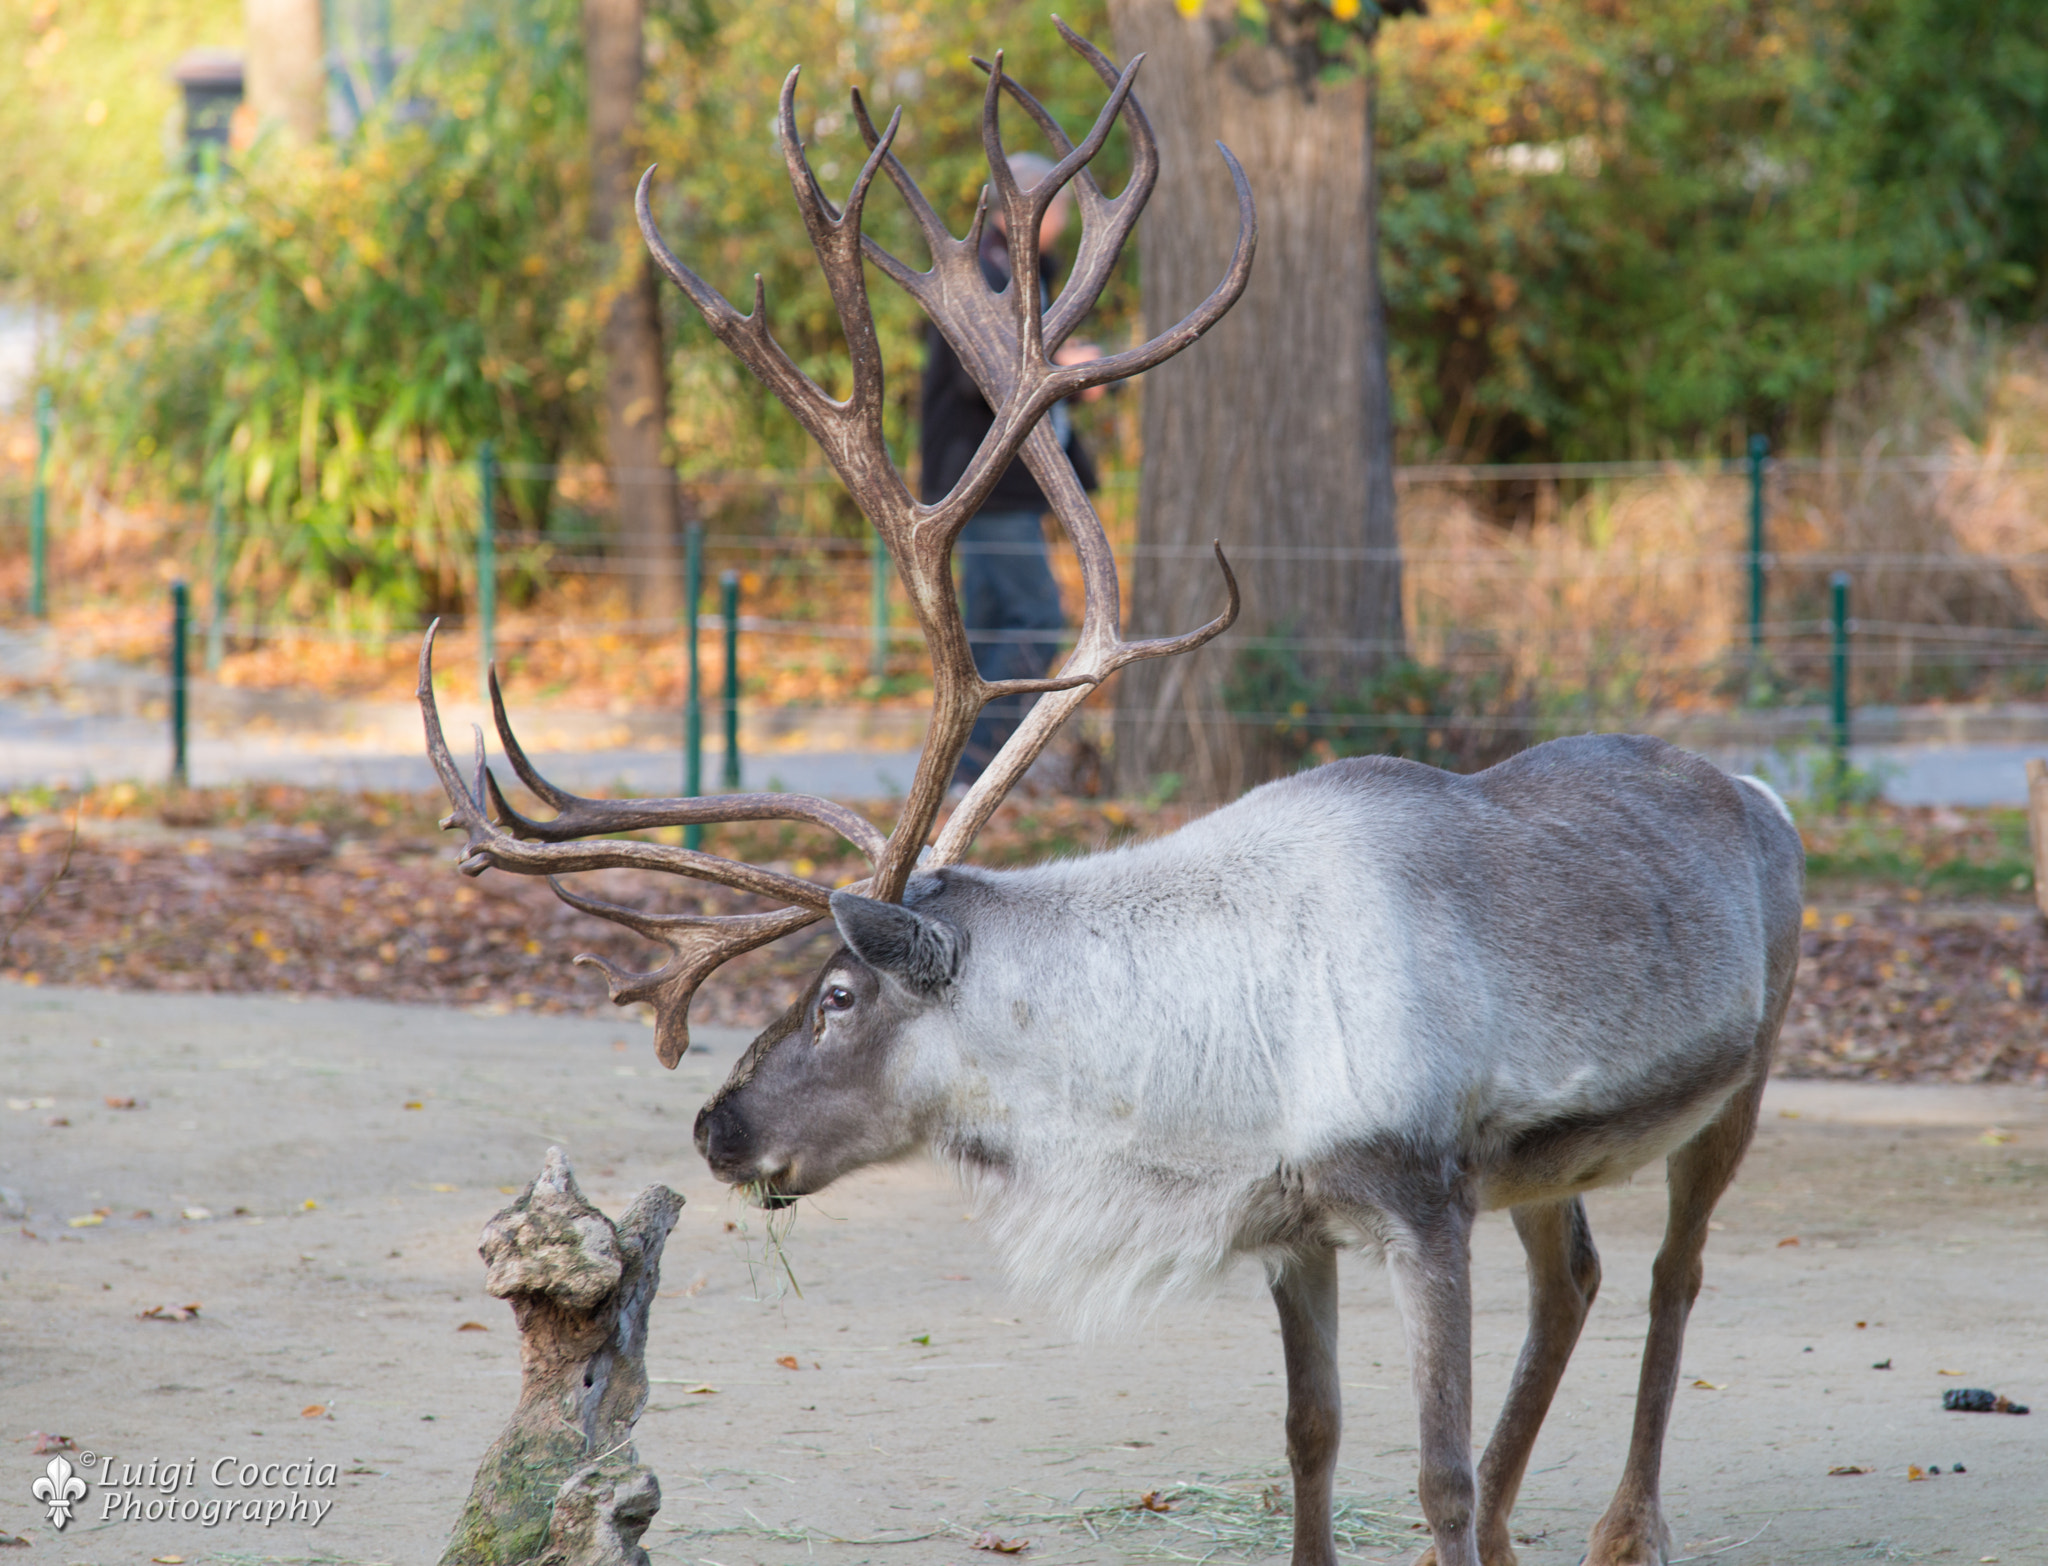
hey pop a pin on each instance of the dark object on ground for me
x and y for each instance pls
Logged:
(1957, 1468)
(1882, 1364)
(1976, 1400)
(563, 1485)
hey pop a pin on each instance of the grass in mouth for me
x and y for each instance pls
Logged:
(776, 1224)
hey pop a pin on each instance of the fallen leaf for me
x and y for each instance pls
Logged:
(1843, 1469)
(51, 1443)
(142, 1212)
(443, 1188)
(1711, 1386)
(508, 1190)
(167, 1560)
(197, 1214)
(1951, 1372)
(169, 1313)
(1997, 1136)
(702, 1388)
(1915, 1471)
(989, 1541)
(58, 1120)
(413, 1103)
(1150, 1502)
(124, 1103)
(312, 1411)
(31, 1103)
(1790, 1239)
(309, 1205)
(89, 1221)
(472, 1326)
(787, 1362)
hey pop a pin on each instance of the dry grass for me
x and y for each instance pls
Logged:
(1632, 594)
(1241, 1517)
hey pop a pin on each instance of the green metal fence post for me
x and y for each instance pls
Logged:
(180, 631)
(1759, 454)
(39, 512)
(487, 563)
(1838, 669)
(729, 607)
(217, 586)
(693, 701)
(878, 610)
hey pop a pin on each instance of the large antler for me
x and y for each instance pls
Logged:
(1006, 340)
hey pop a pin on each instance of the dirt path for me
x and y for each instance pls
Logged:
(929, 1402)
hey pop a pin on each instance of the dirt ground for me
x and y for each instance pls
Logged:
(274, 1173)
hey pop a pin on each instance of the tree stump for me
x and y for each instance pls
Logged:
(563, 1485)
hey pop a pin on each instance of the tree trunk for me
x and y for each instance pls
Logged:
(287, 80)
(635, 387)
(1275, 433)
(563, 1485)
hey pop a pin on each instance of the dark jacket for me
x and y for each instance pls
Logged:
(955, 418)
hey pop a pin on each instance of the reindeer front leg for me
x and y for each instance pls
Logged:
(1429, 1259)
(1305, 1290)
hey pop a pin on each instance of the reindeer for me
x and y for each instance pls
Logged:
(1359, 1006)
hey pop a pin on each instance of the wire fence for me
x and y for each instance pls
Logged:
(1583, 592)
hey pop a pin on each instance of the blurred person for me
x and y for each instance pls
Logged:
(1006, 586)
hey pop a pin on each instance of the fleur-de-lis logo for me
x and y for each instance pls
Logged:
(58, 1489)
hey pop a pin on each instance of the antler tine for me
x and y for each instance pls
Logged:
(527, 772)
(835, 237)
(1066, 380)
(469, 809)
(700, 944)
(577, 816)
(746, 337)
(1102, 241)
(1020, 226)
(490, 846)
(938, 238)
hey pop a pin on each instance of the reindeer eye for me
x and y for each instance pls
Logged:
(837, 998)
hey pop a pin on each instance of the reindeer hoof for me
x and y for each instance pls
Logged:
(1630, 1541)
(1502, 1554)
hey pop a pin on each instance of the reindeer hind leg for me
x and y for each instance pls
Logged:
(1564, 1276)
(1633, 1531)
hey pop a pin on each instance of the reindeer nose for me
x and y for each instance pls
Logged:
(725, 1139)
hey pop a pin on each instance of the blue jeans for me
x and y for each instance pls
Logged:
(1006, 587)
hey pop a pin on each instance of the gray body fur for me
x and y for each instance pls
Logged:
(1355, 1007)
(1544, 976)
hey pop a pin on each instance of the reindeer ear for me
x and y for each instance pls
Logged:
(921, 951)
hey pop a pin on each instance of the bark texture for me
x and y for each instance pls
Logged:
(635, 382)
(286, 81)
(1275, 433)
(563, 1485)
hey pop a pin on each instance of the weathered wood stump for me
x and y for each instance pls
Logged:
(563, 1486)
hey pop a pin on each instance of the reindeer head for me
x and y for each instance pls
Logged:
(874, 989)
